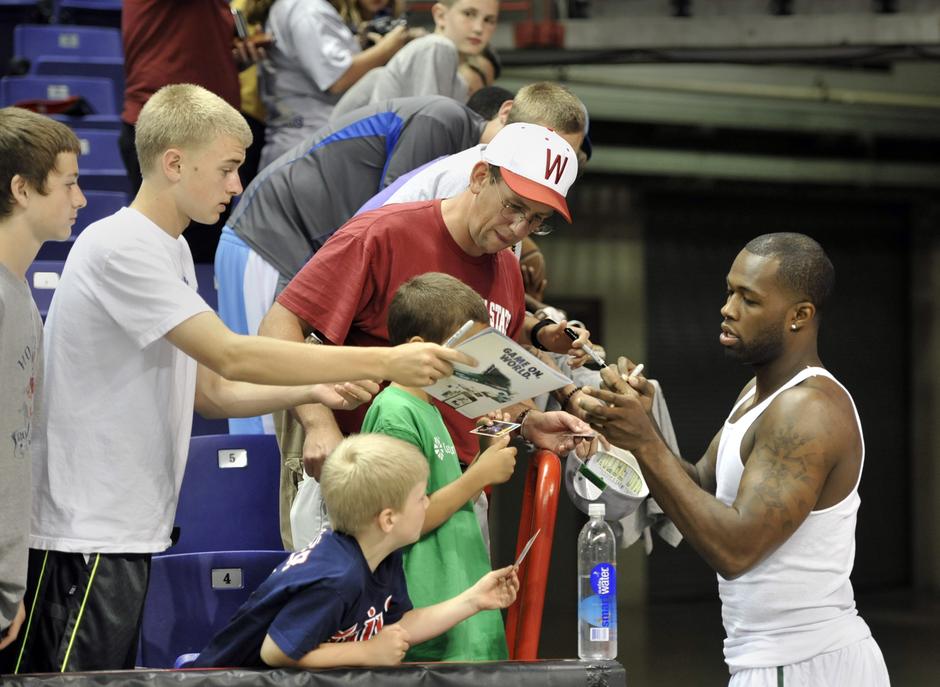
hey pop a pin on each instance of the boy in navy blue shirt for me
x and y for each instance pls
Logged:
(343, 599)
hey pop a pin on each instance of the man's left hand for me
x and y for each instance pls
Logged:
(621, 417)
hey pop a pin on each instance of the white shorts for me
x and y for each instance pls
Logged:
(857, 665)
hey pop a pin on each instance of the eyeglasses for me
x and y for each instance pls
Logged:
(517, 215)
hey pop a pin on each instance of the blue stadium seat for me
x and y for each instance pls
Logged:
(205, 276)
(100, 204)
(111, 122)
(205, 426)
(100, 151)
(93, 12)
(105, 180)
(229, 496)
(97, 67)
(12, 14)
(34, 40)
(56, 250)
(191, 596)
(43, 277)
(99, 93)
(28, 5)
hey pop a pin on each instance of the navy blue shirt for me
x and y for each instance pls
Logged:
(323, 593)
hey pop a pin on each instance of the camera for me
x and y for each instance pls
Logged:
(384, 23)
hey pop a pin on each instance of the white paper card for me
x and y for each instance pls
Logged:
(505, 374)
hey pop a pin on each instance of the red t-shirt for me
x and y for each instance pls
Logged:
(177, 41)
(344, 291)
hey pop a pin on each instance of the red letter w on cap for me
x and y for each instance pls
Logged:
(557, 165)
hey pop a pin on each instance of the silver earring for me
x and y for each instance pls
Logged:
(793, 327)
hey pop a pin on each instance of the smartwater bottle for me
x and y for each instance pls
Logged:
(597, 588)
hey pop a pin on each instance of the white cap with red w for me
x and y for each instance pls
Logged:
(535, 162)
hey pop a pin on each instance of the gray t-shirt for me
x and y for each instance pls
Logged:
(296, 203)
(426, 66)
(20, 393)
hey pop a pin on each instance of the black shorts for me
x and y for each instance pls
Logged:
(82, 615)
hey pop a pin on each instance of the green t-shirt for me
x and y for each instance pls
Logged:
(450, 559)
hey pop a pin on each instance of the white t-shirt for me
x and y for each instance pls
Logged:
(119, 396)
(312, 49)
(445, 178)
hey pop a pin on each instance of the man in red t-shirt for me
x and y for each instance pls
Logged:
(180, 42)
(342, 294)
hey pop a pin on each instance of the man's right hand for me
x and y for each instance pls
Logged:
(388, 647)
(618, 378)
(422, 364)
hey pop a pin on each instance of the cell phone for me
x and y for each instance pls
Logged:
(497, 429)
(241, 26)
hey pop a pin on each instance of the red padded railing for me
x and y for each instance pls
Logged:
(539, 508)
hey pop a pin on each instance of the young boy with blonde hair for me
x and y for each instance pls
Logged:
(451, 553)
(132, 348)
(343, 599)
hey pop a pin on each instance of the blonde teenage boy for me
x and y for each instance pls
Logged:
(343, 599)
(451, 554)
(132, 349)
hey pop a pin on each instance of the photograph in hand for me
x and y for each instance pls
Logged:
(497, 429)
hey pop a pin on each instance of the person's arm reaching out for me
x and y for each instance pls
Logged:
(387, 648)
(262, 360)
(795, 447)
(496, 589)
(218, 397)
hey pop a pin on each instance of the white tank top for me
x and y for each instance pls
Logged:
(798, 602)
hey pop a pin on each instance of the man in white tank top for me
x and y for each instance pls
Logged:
(772, 504)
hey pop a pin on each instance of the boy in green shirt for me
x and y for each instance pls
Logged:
(450, 556)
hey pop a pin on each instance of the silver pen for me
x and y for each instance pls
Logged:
(456, 336)
(592, 354)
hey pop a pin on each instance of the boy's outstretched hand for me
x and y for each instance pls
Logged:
(388, 647)
(346, 395)
(496, 589)
(495, 464)
(421, 364)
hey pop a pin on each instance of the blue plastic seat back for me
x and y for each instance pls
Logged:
(95, 67)
(100, 5)
(32, 40)
(192, 596)
(205, 276)
(101, 204)
(98, 92)
(43, 277)
(229, 496)
(100, 151)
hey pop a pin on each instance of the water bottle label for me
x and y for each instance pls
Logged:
(600, 610)
(604, 580)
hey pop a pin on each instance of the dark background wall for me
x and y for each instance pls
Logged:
(691, 240)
